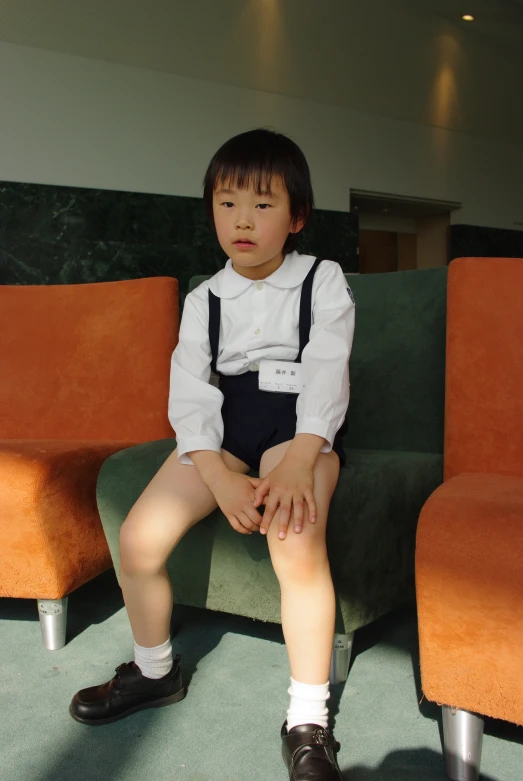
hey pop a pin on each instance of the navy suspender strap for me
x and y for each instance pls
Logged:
(306, 308)
(214, 327)
(304, 324)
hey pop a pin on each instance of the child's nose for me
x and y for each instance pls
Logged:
(245, 219)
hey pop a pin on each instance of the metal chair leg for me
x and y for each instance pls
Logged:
(463, 740)
(340, 660)
(53, 621)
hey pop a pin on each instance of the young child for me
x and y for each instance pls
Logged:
(271, 316)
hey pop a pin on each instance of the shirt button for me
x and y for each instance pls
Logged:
(259, 286)
(257, 331)
(255, 367)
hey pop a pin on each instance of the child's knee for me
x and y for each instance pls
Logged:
(138, 553)
(299, 560)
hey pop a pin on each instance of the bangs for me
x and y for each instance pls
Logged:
(242, 175)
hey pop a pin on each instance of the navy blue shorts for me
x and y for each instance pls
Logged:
(256, 420)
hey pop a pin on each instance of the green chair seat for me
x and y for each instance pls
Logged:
(371, 535)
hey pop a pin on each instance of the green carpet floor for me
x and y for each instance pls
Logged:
(227, 728)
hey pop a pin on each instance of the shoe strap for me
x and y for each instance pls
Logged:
(123, 668)
(307, 737)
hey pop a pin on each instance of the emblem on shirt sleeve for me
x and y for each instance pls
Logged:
(349, 291)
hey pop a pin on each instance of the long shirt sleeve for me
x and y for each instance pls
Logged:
(194, 404)
(323, 402)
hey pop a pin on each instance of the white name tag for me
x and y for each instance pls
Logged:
(280, 376)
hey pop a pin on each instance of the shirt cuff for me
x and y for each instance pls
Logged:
(189, 444)
(318, 427)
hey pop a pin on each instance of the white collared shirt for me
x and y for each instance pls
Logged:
(259, 319)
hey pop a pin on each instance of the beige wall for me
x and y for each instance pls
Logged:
(432, 241)
(74, 121)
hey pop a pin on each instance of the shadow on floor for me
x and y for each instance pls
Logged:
(92, 603)
(195, 649)
(397, 629)
(405, 765)
(112, 748)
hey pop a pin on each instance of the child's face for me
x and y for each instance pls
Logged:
(253, 228)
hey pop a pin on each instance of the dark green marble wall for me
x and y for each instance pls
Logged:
(58, 235)
(476, 241)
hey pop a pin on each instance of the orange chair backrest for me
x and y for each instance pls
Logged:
(88, 361)
(484, 374)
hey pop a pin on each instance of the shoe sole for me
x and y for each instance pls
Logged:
(151, 704)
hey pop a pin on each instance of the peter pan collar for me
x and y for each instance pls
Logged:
(227, 283)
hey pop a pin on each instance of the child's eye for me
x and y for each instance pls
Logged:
(227, 204)
(263, 206)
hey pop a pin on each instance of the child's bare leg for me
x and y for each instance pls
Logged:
(175, 499)
(302, 567)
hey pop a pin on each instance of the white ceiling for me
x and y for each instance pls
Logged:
(140, 32)
(354, 59)
(500, 21)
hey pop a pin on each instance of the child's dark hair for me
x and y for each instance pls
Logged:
(253, 158)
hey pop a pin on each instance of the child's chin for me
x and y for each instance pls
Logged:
(245, 260)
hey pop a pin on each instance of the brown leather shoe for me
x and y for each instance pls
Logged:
(129, 691)
(309, 753)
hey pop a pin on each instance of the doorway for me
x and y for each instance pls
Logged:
(399, 234)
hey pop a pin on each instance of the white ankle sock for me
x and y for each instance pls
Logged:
(308, 704)
(154, 662)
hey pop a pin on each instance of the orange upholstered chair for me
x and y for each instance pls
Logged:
(84, 373)
(469, 557)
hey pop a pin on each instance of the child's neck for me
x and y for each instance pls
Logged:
(263, 270)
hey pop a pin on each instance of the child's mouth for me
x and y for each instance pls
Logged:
(244, 244)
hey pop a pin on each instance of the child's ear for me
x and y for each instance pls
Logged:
(297, 225)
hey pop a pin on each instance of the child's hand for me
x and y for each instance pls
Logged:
(288, 485)
(235, 494)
